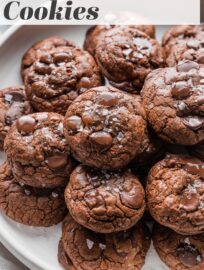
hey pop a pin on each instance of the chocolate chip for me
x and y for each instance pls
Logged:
(57, 160)
(42, 68)
(74, 122)
(189, 255)
(13, 113)
(87, 118)
(193, 122)
(186, 66)
(180, 89)
(13, 97)
(45, 58)
(84, 83)
(108, 99)
(133, 198)
(102, 138)
(61, 57)
(26, 124)
(189, 201)
(195, 168)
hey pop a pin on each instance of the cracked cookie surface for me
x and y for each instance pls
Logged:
(27, 205)
(13, 104)
(127, 56)
(38, 152)
(103, 201)
(181, 33)
(91, 251)
(105, 127)
(96, 33)
(58, 76)
(177, 251)
(40, 48)
(175, 193)
(173, 99)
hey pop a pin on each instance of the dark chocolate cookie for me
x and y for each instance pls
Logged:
(174, 102)
(127, 56)
(40, 48)
(181, 33)
(175, 193)
(96, 33)
(27, 205)
(105, 202)
(177, 251)
(37, 150)
(58, 76)
(105, 127)
(13, 104)
(88, 250)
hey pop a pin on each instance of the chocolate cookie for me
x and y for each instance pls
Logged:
(173, 99)
(27, 205)
(105, 202)
(96, 33)
(177, 251)
(127, 56)
(58, 76)
(40, 48)
(13, 104)
(192, 50)
(182, 33)
(105, 127)
(88, 250)
(175, 190)
(198, 151)
(37, 150)
(64, 259)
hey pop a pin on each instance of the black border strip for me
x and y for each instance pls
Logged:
(201, 11)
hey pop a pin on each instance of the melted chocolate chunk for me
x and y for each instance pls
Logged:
(74, 122)
(108, 99)
(195, 168)
(193, 122)
(188, 255)
(133, 198)
(26, 124)
(189, 201)
(57, 160)
(180, 90)
(14, 97)
(102, 138)
(186, 66)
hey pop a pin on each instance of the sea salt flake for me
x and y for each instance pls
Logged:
(27, 192)
(89, 243)
(187, 241)
(102, 246)
(199, 258)
(54, 194)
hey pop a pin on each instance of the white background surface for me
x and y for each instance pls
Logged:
(37, 248)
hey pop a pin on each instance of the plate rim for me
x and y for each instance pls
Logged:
(23, 256)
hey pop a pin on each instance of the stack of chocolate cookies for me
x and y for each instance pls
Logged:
(110, 153)
(37, 168)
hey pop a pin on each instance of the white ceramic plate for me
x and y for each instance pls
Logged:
(37, 247)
